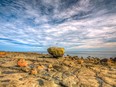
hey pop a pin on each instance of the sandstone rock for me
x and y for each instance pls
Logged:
(106, 85)
(57, 75)
(88, 81)
(22, 63)
(80, 61)
(29, 82)
(12, 83)
(0, 72)
(56, 51)
(50, 66)
(26, 69)
(110, 81)
(64, 72)
(34, 71)
(41, 82)
(41, 67)
(70, 81)
(50, 84)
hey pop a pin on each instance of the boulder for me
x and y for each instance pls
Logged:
(56, 51)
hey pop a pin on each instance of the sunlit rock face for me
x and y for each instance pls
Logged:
(67, 71)
(56, 51)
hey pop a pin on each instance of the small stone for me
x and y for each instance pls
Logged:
(25, 69)
(62, 85)
(31, 66)
(41, 67)
(80, 61)
(34, 71)
(22, 63)
(50, 66)
(41, 82)
(6, 80)
(8, 72)
(1, 76)
(46, 74)
(21, 79)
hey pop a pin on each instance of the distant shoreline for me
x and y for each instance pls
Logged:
(84, 54)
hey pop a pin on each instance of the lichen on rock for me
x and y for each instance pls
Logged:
(56, 51)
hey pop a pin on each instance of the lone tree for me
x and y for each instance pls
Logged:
(56, 51)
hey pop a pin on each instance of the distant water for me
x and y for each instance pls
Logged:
(100, 54)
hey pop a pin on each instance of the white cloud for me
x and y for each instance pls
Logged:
(91, 32)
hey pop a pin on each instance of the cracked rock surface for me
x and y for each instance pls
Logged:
(52, 72)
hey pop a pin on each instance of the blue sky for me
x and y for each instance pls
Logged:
(76, 25)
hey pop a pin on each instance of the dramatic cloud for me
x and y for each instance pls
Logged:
(73, 24)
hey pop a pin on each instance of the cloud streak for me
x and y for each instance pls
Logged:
(73, 24)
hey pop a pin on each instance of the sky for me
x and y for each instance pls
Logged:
(76, 25)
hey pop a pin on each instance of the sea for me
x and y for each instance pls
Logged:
(99, 54)
(85, 54)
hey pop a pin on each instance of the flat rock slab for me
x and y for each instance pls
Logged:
(63, 72)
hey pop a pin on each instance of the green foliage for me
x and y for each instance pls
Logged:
(56, 51)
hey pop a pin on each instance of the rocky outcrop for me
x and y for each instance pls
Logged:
(51, 72)
(56, 51)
